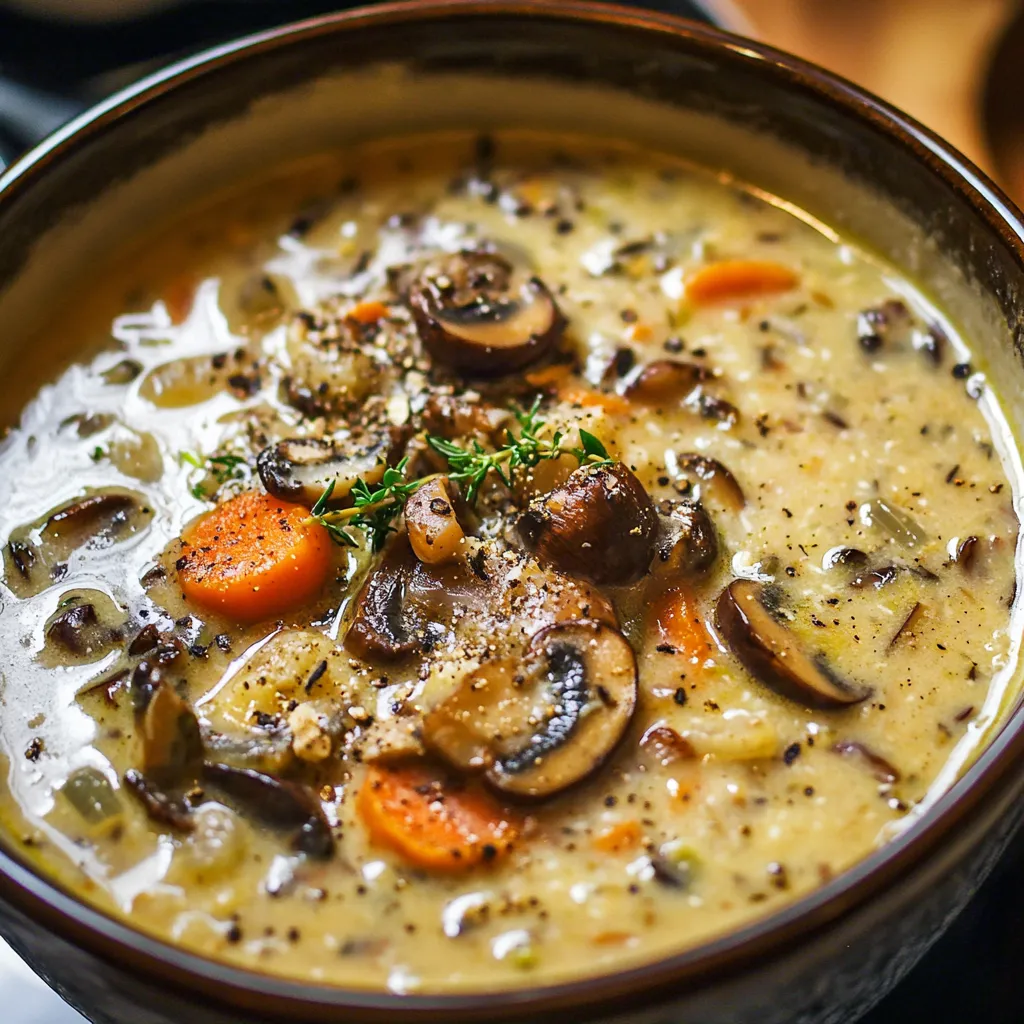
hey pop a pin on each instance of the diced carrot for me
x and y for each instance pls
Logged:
(680, 626)
(254, 557)
(548, 375)
(735, 280)
(178, 297)
(639, 332)
(626, 835)
(588, 398)
(367, 312)
(409, 810)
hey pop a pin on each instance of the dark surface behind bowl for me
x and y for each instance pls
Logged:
(832, 955)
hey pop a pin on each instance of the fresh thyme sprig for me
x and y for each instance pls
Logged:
(374, 510)
(221, 467)
(472, 466)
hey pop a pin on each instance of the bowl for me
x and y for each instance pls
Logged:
(769, 119)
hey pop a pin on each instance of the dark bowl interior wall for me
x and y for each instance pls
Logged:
(736, 107)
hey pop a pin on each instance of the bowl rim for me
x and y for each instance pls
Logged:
(686, 971)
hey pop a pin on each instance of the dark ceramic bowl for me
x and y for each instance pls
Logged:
(772, 120)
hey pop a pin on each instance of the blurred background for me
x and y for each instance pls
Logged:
(956, 65)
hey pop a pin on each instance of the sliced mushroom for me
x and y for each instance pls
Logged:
(963, 552)
(301, 469)
(288, 806)
(541, 725)
(96, 517)
(600, 524)
(767, 648)
(711, 479)
(476, 314)
(75, 629)
(464, 415)
(688, 543)
(171, 743)
(878, 766)
(85, 625)
(405, 606)
(665, 746)
(159, 806)
(667, 380)
(435, 534)
(384, 625)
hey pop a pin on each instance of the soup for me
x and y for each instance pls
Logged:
(472, 562)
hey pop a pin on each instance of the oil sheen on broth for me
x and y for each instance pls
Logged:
(707, 591)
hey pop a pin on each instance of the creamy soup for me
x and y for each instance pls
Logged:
(467, 563)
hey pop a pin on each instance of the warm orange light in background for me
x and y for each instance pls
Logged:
(929, 57)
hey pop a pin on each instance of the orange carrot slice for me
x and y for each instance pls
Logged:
(367, 312)
(409, 810)
(736, 280)
(254, 557)
(588, 398)
(626, 835)
(548, 376)
(680, 626)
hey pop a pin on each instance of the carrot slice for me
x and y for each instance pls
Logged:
(735, 280)
(587, 398)
(254, 557)
(367, 312)
(626, 835)
(548, 376)
(680, 626)
(409, 810)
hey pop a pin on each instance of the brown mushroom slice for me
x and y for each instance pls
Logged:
(288, 806)
(97, 519)
(667, 380)
(541, 725)
(883, 770)
(83, 628)
(405, 606)
(384, 626)
(301, 469)
(688, 543)
(600, 524)
(771, 653)
(171, 745)
(160, 807)
(475, 314)
(712, 479)
(435, 534)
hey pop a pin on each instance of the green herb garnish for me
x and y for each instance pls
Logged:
(222, 468)
(374, 510)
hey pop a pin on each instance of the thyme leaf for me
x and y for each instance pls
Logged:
(374, 509)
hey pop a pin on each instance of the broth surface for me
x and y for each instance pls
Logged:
(738, 361)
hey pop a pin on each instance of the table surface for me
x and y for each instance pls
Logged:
(928, 56)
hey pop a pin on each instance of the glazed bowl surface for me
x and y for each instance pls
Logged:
(772, 121)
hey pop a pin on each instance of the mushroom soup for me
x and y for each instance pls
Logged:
(464, 563)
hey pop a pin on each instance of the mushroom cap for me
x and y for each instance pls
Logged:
(600, 524)
(475, 314)
(767, 648)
